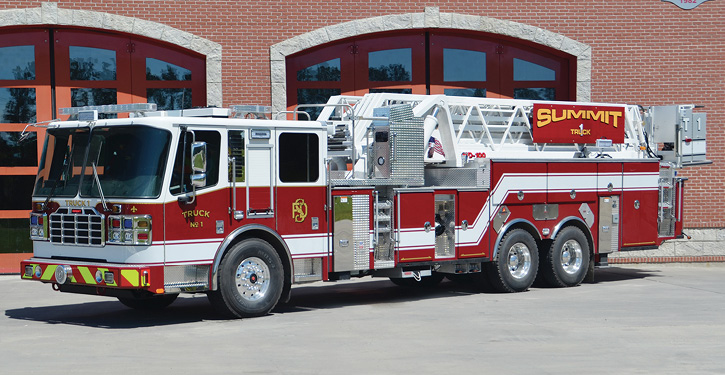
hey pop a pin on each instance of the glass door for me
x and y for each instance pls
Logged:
(395, 65)
(461, 66)
(91, 69)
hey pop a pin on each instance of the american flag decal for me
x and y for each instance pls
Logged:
(435, 146)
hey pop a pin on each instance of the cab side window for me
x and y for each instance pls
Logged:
(182, 163)
(236, 151)
(299, 157)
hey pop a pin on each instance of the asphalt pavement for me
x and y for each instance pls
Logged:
(634, 319)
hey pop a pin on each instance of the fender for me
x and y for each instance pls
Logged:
(231, 238)
(531, 228)
(588, 232)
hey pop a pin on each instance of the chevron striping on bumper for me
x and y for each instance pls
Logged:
(49, 273)
(131, 276)
(86, 275)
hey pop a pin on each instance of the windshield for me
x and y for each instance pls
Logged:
(129, 161)
(61, 163)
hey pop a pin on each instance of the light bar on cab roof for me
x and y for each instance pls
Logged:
(111, 108)
(244, 110)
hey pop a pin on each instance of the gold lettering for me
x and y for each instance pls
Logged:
(546, 116)
(575, 114)
(69, 202)
(615, 116)
(557, 119)
(543, 117)
(596, 116)
(195, 213)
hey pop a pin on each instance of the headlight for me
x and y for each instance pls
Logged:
(38, 226)
(129, 229)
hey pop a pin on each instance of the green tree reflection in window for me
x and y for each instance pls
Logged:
(314, 96)
(17, 105)
(17, 62)
(92, 64)
(158, 70)
(480, 93)
(534, 93)
(169, 99)
(324, 71)
(85, 96)
(390, 65)
(14, 153)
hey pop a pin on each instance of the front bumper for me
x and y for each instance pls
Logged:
(91, 274)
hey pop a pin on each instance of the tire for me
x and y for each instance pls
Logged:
(515, 267)
(251, 279)
(567, 261)
(425, 281)
(149, 302)
(589, 278)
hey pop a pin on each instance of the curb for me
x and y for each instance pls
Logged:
(686, 259)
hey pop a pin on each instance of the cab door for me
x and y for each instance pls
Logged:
(193, 215)
(301, 188)
(260, 167)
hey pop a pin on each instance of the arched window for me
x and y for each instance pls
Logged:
(44, 69)
(433, 62)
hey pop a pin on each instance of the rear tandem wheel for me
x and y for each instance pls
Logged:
(515, 267)
(567, 261)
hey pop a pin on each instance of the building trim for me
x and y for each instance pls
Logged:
(49, 14)
(432, 18)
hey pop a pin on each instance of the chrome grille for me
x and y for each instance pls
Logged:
(77, 226)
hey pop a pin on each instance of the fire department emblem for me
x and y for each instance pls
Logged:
(299, 210)
(686, 4)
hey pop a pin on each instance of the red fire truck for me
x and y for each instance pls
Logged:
(240, 205)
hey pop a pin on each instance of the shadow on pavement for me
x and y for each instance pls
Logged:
(604, 275)
(111, 314)
(379, 291)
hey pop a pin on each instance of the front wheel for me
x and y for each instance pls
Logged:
(250, 280)
(515, 267)
(567, 261)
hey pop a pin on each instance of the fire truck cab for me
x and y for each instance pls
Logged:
(410, 187)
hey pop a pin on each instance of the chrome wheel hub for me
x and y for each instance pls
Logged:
(519, 260)
(252, 279)
(571, 257)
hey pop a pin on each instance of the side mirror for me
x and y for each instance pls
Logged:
(198, 164)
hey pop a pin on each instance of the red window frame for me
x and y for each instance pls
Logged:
(441, 41)
(43, 102)
(416, 42)
(500, 54)
(64, 39)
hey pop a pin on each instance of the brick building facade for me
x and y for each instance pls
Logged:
(645, 52)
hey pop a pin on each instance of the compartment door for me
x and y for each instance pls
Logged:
(415, 226)
(640, 199)
(351, 232)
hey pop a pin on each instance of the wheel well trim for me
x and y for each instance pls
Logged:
(234, 237)
(582, 224)
(522, 223)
